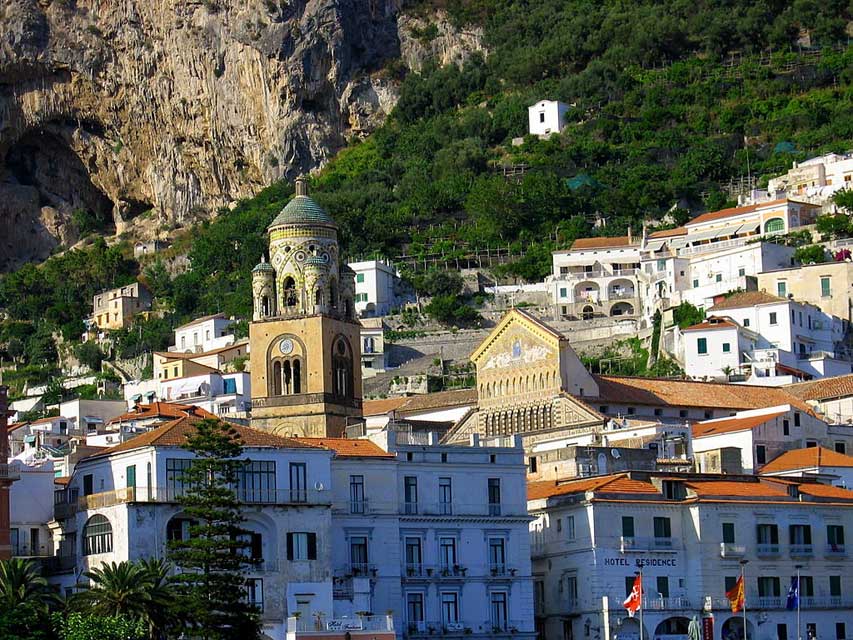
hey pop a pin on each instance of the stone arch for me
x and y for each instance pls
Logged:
(342, 368)
(732, 629)
(289, 293)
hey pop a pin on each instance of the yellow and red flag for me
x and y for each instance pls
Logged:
(736, 595)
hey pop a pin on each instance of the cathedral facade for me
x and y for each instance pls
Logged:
(305, 347)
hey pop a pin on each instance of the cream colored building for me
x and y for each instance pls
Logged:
(305, 342)
(115, 309)
(827, 285)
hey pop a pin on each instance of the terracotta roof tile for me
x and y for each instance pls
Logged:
(825, 491)
(346, 448)
(808, 458)
(63, 480)
(385, 405)
(730, 425)
(728, 488)
(45, 420)
(424, 402)
(732, 212)
(746, 299)
(822, 388)
(618, 483)
(162, 410)
(713, 323)
(174, 434)
(688, 393)
(604, 242)
(16, 425)
(668, 233)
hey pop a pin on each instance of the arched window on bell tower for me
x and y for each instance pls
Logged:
(333, 294)
(265, 306)
(289, 292)
(342, 369)
(286, 378)
(276, 378)
(297, 376)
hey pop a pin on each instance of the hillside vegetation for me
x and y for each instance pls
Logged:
(670, 100)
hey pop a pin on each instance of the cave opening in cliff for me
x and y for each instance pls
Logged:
(44, 161)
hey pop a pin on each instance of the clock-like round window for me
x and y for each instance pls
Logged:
(300, 256)
(286, 346)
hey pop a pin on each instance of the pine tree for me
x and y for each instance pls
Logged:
(211, 584)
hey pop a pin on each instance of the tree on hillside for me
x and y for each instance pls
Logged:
(844, 200)
(211, 585)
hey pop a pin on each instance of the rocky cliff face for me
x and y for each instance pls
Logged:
(115, 107)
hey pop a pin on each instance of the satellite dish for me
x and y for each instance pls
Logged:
(319, 486)
(615, 453)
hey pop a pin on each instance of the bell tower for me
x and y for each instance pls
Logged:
(305, 341)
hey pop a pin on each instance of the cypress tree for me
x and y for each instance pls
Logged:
(211, 584)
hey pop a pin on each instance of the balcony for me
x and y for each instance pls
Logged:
(672, 603)
(836, 551)
(730, 550)
(767, 550)
(770, 602)
(802, 550)
(640, 545)
(457, 509)
(9, 472)
(379, 627)
(437, 628)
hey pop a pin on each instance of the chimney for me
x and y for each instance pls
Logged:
(301, 186)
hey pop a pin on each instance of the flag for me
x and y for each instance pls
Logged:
(736, 595)
(635, 599)
(793, 594)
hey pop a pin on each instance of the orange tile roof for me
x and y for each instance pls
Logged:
(713, 323)
(746, 299)
(732, 212)
(16, 425)
(668, 233)
(603, 242)
(423, 402)
(617, 483)
(729, 488)
(162, 410)
(825, 491)
(822, 388)
(62, 480)
(346, 448)
(730, 425)
(807, 458)
(689, 393)
(174, 434)
(385, 405)
(214, 316)
(45, 420)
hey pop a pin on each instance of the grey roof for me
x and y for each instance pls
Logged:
(302, 210)
(315, 260)
(262, 266)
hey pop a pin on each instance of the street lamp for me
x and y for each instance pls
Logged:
(743, 564)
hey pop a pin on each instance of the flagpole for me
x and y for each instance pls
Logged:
(743, 584)
(798, 567)
(642, 594)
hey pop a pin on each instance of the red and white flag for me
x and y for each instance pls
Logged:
(635, 599)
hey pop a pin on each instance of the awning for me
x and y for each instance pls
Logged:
(187, 389)
(655, 245)
(749, 227)
(93, 420)
(29, 439)
(150, 394)
(805, 339)
(136, 397)
(715, 233)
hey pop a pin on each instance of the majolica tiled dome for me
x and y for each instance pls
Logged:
(262, 266)
(302, 209)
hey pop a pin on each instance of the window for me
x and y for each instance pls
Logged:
(572, 588)
(840, 447)
(445, 496)
(178, 529)
(449, 607)
(229, 385)
(718, 277)
(253, 545)
(570, 528)
(629, 584)
(782, 289)
(498, 610)
(302, 546)
(773, 318)
(774, 225)
(658, 412)
(662, 584)
(729, 532)
(341, 368)
(796, 419)
(840, 631)
(256, 481)
(800, 535)
(825, 287)
(811, 443)
(702, 346)
(835, 537)
(357, 503)
(531, 464)
(97, 536)
(696, 283)
(563, 292)
(298, 482)
(175, 468)
(415, 611)
(410, 486)
(768, 587)
(541, 116)
(88, 484)
(741, 272)
(781, 631)
(414, 557)
(746, 322)
(807, 586)
(359, 277)
(727, 348)
(255, 593)
(729, 583)
(358, 555)
(682, 413)
(767, 534)
(662, 528)
(497, 556)
(786, 427)
(835, 586)
(760, 454)
(559, 524)
(494, 496)
(627, 526)
(447, 552)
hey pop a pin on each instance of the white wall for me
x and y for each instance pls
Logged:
(546, 117)
(712, 363)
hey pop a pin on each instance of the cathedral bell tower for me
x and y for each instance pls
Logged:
(305, 341)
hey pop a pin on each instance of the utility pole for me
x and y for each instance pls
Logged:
(7, 477)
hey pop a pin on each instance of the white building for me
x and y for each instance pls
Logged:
(767, 339)
(32, 499)
(204, 334)
(222, 394)
(546, 117)
(831, 397)
(816, 178)
(688, 535)
(377, 288)
(373, 355)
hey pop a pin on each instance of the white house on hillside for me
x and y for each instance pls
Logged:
(203, 334)
(377, 287)
(818, 178)
(547, 117)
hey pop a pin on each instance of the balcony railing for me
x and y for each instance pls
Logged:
(458, 508)
(9, 472)
(636, 544)
(730, 550)
(671, 603)
(321, 625)
(420, 571)
(767, 549)
(802, 550)
(836, 550)
(771, 602)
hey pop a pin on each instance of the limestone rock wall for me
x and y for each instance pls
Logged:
(115, 107)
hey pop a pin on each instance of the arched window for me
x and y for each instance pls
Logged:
(333, 294)
(97, 536)
(265, 306)
(348, 309)
(774, 225)
(276, 378)
(289, 291)
(318, 296)
(297, 376)
(178, 529)
(342, 369)
(286, 378)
